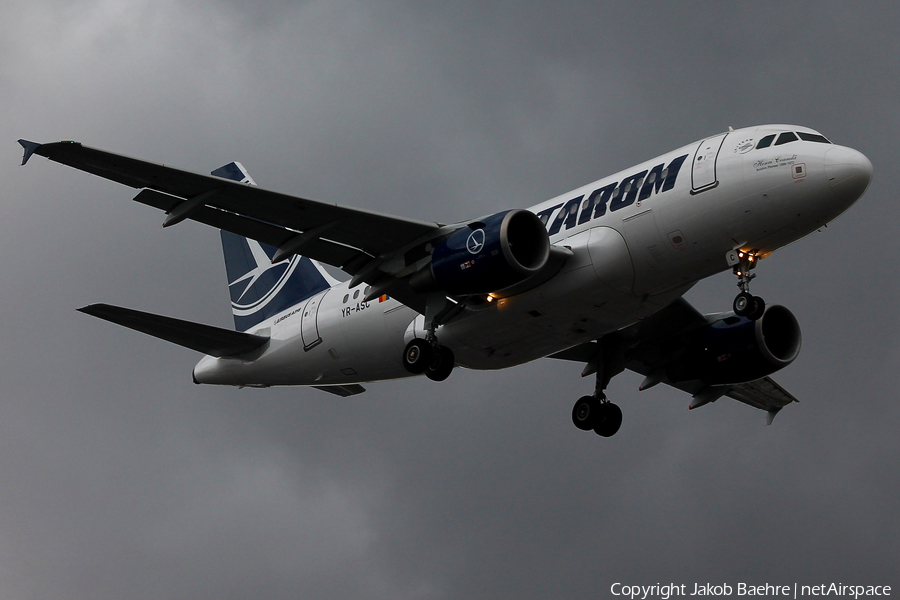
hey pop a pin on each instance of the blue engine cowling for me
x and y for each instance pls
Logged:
(736, 349)
(489, 255)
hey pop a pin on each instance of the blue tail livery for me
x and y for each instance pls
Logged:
(259, 289)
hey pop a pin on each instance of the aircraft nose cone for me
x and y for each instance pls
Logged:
(849, 173)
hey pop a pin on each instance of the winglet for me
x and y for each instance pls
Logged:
(29, 147)
(770, 415)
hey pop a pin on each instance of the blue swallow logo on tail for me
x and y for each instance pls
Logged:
(259, 289)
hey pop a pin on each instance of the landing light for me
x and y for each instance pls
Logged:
(490, 298)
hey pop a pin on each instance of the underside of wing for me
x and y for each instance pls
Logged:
(672, 347)
(764, 394)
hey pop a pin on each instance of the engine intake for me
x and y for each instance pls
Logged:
(488, 255)
(736, 349)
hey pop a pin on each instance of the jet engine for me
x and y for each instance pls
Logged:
(736, 349)
(488, 255)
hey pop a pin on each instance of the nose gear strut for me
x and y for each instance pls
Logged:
(746, 304)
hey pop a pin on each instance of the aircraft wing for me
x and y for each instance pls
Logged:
(358, 241)
(648, 344)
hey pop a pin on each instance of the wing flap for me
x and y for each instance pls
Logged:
(764, 394)
(202, 338)
(342, 390)
(318, 249)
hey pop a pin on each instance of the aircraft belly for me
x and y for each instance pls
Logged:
(573, 308)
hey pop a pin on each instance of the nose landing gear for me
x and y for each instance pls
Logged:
(746, 304)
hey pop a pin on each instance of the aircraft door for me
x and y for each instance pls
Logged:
(309, 326)
(703, 171)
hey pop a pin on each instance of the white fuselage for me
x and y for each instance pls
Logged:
(647, 248)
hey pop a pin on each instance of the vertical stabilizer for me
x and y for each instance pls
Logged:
(259, 289)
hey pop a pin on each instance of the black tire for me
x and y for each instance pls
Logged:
(743, 304)
(442, 365)
(759, 307)
(418, 356)
(609, 419)
(584, 412)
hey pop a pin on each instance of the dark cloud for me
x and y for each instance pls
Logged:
(121, 478)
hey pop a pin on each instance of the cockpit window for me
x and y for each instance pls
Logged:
(784, 138)
(813, 137)
(765, 142)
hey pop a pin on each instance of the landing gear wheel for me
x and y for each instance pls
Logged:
(743, 304)
(759, 307)
(442, 364)
(584, 412)
(608, 419)
(418, 356)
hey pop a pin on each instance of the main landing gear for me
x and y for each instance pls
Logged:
(599, 414)
(746, 304)
(595, 411)
(425, 356)
(428, 356)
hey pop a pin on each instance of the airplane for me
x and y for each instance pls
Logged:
(595, 275)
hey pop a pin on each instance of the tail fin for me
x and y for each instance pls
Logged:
(259, 289)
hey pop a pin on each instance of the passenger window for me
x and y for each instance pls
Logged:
(356, 294)
(346, 297)
(765, 142)
(784, 138)
(813, 137)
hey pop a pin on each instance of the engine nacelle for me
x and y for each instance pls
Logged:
(736, 349)
(489, 255)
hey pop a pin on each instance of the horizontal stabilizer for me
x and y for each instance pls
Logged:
(213, 341)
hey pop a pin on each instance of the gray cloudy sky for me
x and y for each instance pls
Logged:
(121, 479)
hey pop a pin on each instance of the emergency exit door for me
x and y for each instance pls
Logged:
(309, 326)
